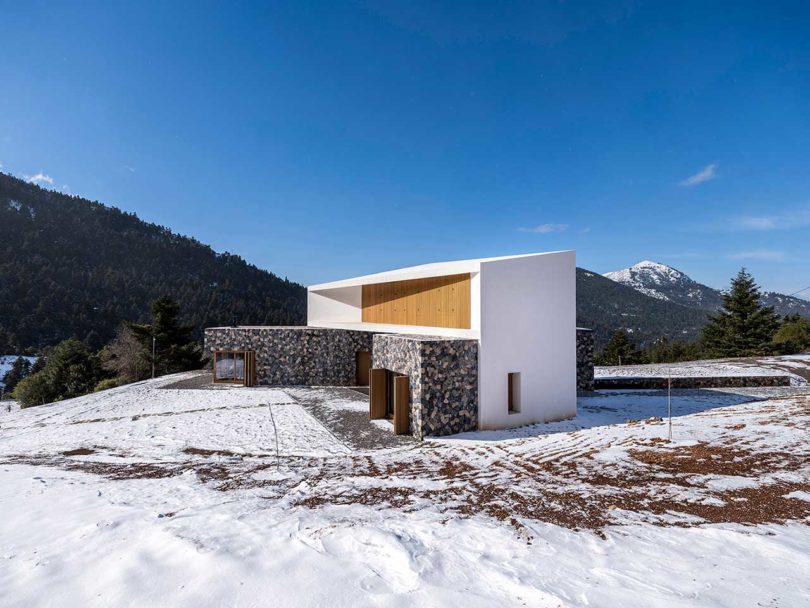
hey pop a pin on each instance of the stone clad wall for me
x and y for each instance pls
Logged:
(402, 355)
(442, 376)
(442, 372)
(693, 382)
(449, 387)
(584, 359)
(309, 356)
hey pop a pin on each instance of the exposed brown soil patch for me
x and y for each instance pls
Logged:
(713, 459)
(79, 452)
(203, 452)
(662, 485)
(646, 479)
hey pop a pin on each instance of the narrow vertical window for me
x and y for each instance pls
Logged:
(513, 392)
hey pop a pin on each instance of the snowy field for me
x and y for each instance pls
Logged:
(145, 496)
(795, 366)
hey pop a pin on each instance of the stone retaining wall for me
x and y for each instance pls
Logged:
(289, 356)
(442, 376)
(584, 359)
(657, 382)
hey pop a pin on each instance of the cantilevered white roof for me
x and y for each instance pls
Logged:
(435, 269)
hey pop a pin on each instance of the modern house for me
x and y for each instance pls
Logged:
(447, 347)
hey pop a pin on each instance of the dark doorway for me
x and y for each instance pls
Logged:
(390, 379)
(362, 367)
(389, 397)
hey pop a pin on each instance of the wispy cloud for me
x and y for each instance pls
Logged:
(545, 228)
(39, 178)
(797, 218)
(765, 255)
(708, 173)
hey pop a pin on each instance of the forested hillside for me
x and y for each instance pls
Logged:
(70, 267)
(606, 306)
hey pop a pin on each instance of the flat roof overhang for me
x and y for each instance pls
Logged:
(437, 269)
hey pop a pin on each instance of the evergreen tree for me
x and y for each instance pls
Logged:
(38, 365)
(743, 327)
(19, 370)
(665, 350)
(70, 371)
(7, 346)
(93, 341)
(619, 350)
(175, 349)
(793, 335)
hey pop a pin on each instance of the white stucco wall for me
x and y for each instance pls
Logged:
(528, 325)
(339, 305)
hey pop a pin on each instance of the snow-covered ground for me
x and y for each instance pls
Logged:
(144, 496)
(795, 366)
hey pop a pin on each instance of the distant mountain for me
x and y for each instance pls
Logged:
(606, 306)
(668, 284)
(70, 267)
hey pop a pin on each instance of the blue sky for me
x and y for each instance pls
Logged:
(325, 139)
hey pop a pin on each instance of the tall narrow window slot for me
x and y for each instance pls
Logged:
(513, 392)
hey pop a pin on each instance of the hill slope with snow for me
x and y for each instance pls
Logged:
(607, 306)
(669, 284)
(151, 496)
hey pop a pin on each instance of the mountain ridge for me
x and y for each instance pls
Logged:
(606, 306)
(71, 267)
(664, 282)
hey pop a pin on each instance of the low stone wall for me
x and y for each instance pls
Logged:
(658, 382)
(584, 359)
(442, 376)
(289, 356)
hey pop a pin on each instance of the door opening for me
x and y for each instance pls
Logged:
(362, 361)
(389, 397)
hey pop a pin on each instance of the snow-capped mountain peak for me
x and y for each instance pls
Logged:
(666, 283)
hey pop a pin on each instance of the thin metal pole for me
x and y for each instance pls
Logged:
(275, 432)
(153, 357)
(669, 401)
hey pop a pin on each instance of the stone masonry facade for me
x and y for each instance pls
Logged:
(291, 356)
(442, 377)
(693, 382)
(442, 372)
(584, 359)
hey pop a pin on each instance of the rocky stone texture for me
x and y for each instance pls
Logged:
(290, 356)
(584, 359)
(443, 380)
(658, 382)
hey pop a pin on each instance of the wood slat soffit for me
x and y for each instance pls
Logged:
(431, 302)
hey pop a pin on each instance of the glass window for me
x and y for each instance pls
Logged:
(229, 366)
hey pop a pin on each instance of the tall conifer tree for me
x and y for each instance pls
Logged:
(743, 327)
(175, 349)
